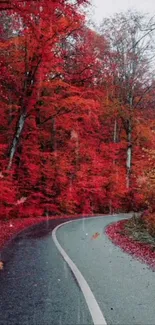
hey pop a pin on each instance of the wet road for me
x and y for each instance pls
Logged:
(37, 287)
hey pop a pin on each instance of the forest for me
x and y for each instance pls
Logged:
(77, 127)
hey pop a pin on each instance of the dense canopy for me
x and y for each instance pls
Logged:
(77, 125)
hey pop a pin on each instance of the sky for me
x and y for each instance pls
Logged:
(106, 8)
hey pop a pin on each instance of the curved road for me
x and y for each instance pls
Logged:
(37, 286)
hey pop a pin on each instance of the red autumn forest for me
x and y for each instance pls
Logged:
(77, 127)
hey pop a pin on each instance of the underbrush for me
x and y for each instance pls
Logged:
(142, 229)
(135, 237)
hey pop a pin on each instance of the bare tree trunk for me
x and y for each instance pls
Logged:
(16, 138)
(115, 131)
(129, 154)
(115, 137)
(28, 88)
(110, 207)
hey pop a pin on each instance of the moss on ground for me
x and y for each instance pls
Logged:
(137, 229)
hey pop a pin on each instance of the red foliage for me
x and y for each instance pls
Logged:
(63, 138)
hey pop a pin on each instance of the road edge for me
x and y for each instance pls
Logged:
(95, 311)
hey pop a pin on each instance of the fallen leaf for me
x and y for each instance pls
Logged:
(1, 265)
(96, 235)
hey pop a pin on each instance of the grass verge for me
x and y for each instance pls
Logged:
(134, 237)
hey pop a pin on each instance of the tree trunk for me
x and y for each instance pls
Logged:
(129, 154)
(16, 138)
(115, 131)
(115, 137)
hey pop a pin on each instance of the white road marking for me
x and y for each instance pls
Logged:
(95, 311)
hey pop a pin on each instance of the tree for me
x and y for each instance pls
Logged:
(130, 68)
(69, 100)
(34, 65)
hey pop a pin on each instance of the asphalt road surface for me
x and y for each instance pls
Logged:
(37, 286)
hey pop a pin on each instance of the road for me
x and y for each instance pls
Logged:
(37, 286)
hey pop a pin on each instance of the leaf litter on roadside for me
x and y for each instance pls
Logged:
(96, 235)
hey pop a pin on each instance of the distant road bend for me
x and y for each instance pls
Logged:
(66, 277)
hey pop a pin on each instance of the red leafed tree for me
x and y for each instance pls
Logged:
(65, 116)
(43, 58)
(32, 66)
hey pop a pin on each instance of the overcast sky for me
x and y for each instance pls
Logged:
(105, 8)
